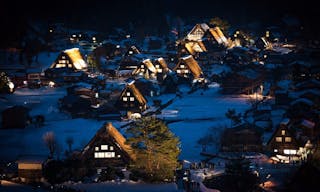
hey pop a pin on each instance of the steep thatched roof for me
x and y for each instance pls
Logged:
(109, 130)
(76, 58)
(192, 64)
(137, 94)
(149, 65)
(195, 46)
(218, 35)
(161, 62)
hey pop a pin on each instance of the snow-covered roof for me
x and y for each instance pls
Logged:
(302, 100)
(307, 123)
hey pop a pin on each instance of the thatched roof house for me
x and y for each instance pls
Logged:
(108, 148)
(70, 58)
(188, 65)
(131, 99)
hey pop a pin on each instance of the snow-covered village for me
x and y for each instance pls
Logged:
(167, 97)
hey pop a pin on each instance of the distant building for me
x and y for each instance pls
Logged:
(187, 67)
(242, 138)
(146, 69)
(70, 58)
(131, 99)
(283, 144)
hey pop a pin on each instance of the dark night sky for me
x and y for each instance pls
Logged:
(102, 15)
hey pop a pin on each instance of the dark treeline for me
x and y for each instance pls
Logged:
(103, 15)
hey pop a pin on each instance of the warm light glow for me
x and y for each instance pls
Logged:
(267, 33)
(290, 151)
(11, 85)
(76, 58)
(51, 84)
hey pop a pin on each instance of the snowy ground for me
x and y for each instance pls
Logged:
(199, 113)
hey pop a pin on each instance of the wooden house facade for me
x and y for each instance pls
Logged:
(131, 99)
(283, 143)
(197, 32)
(107, 148)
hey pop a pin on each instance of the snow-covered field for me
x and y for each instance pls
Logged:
(201, 112)
(195, 113)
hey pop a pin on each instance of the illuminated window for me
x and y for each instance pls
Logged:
(63, 57)
(62, 61)
(125, 98)
(104, 147)
(128, 93)
(159, 70)
(182, 66)
(96, 148)
(178, 71)
(142, 66)
(101, 155)
(157, 66)
(186, 71)
(60, 65)
(70, 65)
(287, 139)
(278, 139)
(283, 132)
(275, 150)
(290, 151)
(131, 98)
(130, 52)
(111, 148)
(119, 156)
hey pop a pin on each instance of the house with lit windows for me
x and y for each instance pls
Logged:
(70, 58)
(203, 38)
(188, 68)
(68, 67)
(107, 148)
(162, 68)
(197, 32)
(283, 144)
(146, 69)
(131, 99)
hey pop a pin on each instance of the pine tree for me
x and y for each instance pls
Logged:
(157, 148)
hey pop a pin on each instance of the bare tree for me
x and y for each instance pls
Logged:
(50, 141)
(69, 141)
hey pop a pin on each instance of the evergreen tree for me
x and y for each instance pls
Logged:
(223, 24)
(157, 148)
